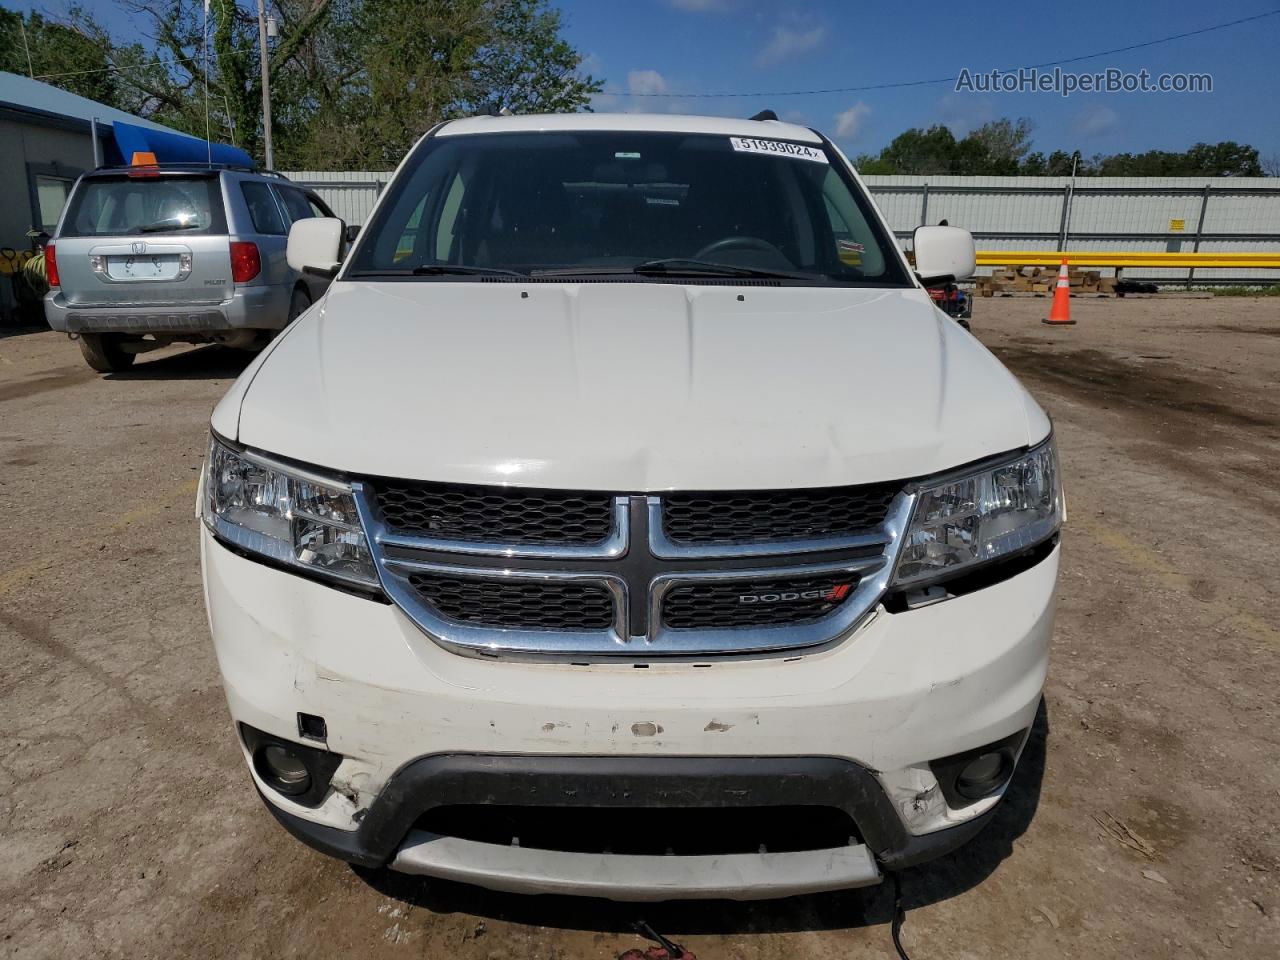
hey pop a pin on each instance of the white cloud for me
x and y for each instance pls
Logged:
(646, 81)
(850, 122)
(701, 6)
(787, 43)
(1095, 121)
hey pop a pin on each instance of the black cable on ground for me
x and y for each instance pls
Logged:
(899, 915)
(674, 950)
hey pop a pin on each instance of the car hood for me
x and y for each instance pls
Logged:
(629, 386)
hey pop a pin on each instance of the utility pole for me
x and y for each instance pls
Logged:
(266, 83)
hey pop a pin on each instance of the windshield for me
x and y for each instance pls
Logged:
(655, 204)
(127, 205)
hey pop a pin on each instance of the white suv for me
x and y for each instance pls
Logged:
(626, 521)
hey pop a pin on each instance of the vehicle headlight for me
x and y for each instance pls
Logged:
(288, 515)
(966, 520)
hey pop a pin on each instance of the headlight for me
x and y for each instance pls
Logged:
(288, 515)
(970, 519)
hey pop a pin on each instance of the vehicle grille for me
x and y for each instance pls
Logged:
(494, 514)
(514, 603)
(755, 516)
(616, 574)
(712, 605)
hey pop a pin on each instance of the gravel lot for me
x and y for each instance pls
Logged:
(1143, 822)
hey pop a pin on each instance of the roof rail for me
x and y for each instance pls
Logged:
(189, 165)
(765, 115)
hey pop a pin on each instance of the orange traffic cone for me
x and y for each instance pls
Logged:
(1060, 312)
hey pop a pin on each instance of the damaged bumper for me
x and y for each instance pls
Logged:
(414, 728)
(387, 834)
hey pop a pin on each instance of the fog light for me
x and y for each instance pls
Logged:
(983, 775)
(285, 771)
(296, 770)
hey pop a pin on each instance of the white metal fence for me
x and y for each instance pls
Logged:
(1132, 214)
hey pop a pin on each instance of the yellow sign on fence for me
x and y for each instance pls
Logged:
(1177, 226)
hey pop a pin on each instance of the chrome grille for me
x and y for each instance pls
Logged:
(752, 603)
(497, 515)
(517, 604)
(511, 572)
(753, 516)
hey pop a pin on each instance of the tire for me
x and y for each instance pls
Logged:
(298, 302)
(103, 352)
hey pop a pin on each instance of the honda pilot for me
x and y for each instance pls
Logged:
(153, 254)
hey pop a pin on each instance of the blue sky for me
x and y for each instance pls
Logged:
(699, 46)
(685, 46)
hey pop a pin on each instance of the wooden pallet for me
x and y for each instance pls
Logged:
(1024, 279)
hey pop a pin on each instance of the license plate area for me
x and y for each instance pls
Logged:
(147, 266)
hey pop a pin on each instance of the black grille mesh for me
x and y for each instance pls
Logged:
(763, 515)
(494, 514)
(720, 604)
(515, 603)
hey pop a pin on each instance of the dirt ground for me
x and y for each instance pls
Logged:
(1143, 823)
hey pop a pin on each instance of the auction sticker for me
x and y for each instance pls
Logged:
(778, 148)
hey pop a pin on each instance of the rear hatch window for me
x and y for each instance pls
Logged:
(145, 205)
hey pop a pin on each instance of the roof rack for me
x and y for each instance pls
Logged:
(765, 115)
(189, 165)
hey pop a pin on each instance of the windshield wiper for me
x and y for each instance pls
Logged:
(686, 265)
(679, 266)
(160, 225)
(438, 269)
(432, 269)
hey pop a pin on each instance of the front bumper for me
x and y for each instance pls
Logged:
(387, 834)
(853, 726)
(261, 307)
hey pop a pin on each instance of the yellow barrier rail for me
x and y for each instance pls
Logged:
(1106, 258)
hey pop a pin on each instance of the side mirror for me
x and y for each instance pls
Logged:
(315, 246)
(943, 254)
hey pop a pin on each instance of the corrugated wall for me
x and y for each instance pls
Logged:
(350, 195)
(1147, 208)
(1021, 213)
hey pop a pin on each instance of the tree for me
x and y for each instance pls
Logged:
(1225, 159)
(921, 151)
(423, 61)
(354, 82)
(997, 147)
(1003, 148)
(76, 62)
(871, 164)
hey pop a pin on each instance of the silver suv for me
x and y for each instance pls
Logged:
(146, 256)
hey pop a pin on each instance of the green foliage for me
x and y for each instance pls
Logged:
(1003, 148)
(56, 49)
(354, 82)
(1226, 159)
(994, 148)
(423, 61)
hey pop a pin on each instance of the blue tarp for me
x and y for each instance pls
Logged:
(129, 139)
